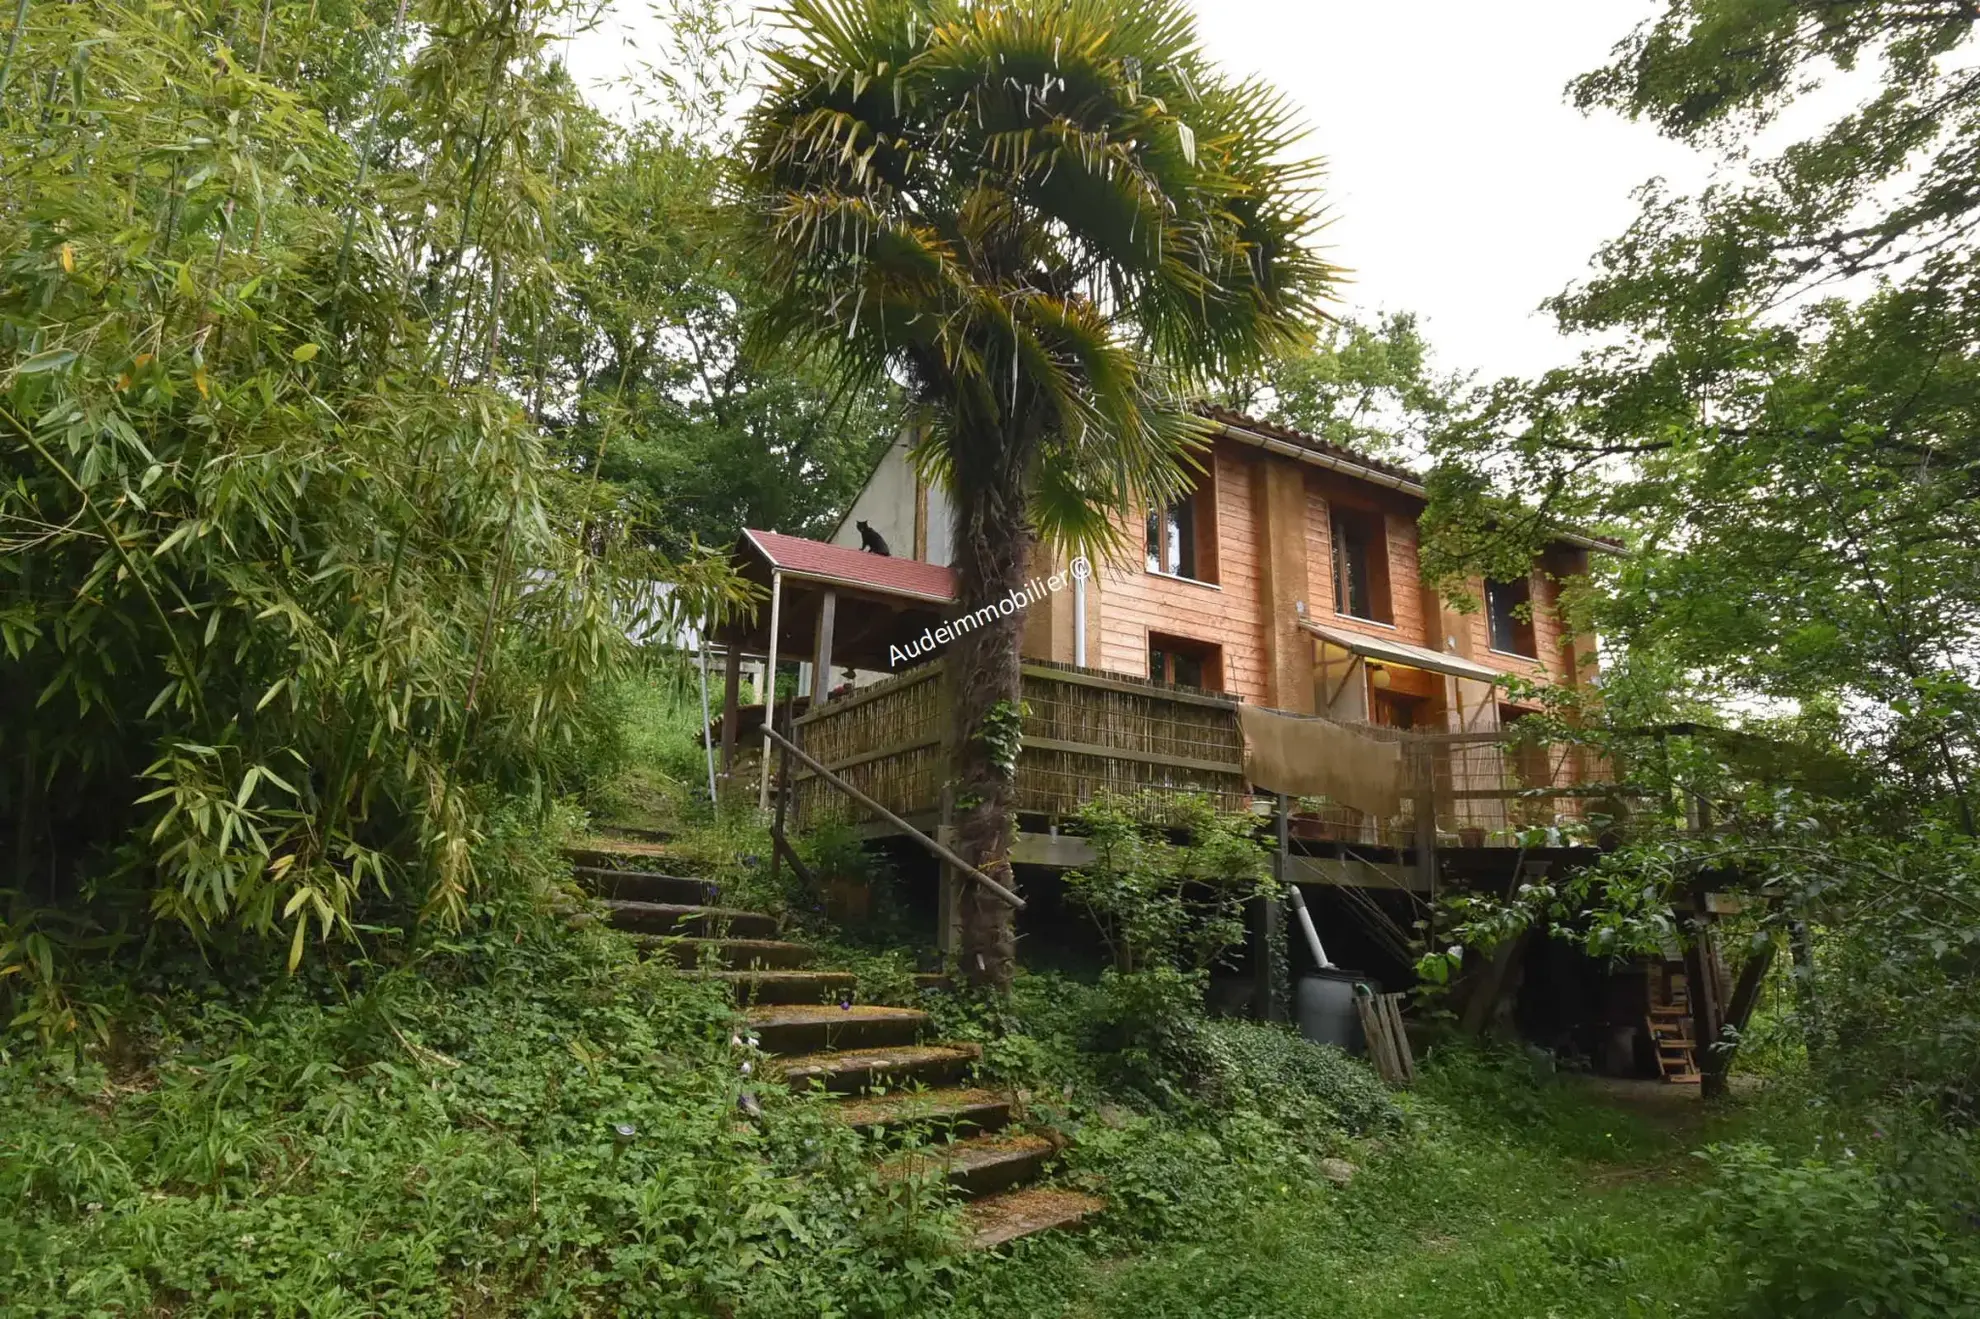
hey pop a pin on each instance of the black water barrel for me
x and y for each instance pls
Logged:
(1324, 1007)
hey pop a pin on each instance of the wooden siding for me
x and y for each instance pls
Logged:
(1227, 614)
(1127, 602)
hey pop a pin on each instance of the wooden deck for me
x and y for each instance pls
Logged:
(1087, 732)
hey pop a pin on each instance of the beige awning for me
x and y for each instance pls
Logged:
(1384, 651)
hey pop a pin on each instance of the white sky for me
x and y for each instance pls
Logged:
(1463, 186)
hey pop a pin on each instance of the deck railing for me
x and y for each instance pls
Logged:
(1085, 732)
(1088, 732)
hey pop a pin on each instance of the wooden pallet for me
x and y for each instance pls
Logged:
(1388, 1043)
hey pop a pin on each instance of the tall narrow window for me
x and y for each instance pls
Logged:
(1182, 538)
(1172, 538)
(1361, 565)
(1509, 617)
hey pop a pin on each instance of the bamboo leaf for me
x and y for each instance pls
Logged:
(54, 359)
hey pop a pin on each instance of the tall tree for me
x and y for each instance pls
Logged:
(271, 503)
(649, 379)
(1786, 412)
(1046, 216)
(1365, 386)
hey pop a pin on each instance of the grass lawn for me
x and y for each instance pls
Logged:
(1573, 1201)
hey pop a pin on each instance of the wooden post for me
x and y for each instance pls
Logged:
(821, 663)
(1426, 817)
(1702, 986)
(731, 703)
(1717, 1063)
(770, 686)
(948, 902)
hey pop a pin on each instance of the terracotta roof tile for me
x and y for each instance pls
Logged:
(854, 568)
(1232, 418)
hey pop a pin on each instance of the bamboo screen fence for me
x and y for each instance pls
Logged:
(1087, 732)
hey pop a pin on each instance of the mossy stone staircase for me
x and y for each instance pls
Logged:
(876, 1063)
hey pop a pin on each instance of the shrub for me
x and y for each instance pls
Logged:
(1825, 1237)
(1160, 902)
(436, 1137)
(1291, 1079)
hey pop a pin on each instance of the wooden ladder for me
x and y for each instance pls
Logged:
(1670, 1032)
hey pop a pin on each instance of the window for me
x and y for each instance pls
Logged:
(1390, 709)
(1189, 663)
(1509, 617)
(1361, 565)
(1182, 538)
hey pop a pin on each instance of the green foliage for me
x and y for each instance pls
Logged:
(1040, 251)
(1823, 1237)
(1002, 734)
(664, 404)
(1170, 893)
(1443, 1219)
(292, 591)
(1292, 1080)
(364, 1142)
(1795, 472)
(1367, 388)
(1501, 1090)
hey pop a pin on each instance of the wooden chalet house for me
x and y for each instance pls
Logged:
(1287, 580)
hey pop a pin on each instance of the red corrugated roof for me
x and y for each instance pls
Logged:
(854, 568)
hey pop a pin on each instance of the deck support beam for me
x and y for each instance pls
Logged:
(821, 662)
(731, 702)
(770, 687)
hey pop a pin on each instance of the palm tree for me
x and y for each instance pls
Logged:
(1052, 219)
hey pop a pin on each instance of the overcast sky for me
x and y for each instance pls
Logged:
(1462, 185)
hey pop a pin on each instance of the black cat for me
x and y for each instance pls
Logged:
(872, 541)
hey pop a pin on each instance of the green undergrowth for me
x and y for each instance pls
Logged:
(530, 1121)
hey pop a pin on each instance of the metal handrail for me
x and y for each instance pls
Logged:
(1003, 894)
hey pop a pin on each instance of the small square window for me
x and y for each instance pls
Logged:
(1185, 662)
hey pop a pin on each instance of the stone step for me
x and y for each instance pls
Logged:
(978, 1166)
(735, 954)
(800, 1028)
(1008, 1215)
(786, 987)
(850, 1071)
(947, 1108)
(632, 854)
(681, 918)
(636, 832)
(646, 885)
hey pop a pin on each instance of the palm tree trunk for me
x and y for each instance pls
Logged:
(992, 549)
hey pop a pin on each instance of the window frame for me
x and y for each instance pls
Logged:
(1518, 631)
(1208, 655)
(1180, 538)
(1359, 537)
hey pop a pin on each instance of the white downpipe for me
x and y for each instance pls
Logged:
(770, 684)
(1079, 621)
(707, 729)
(1306, 924)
